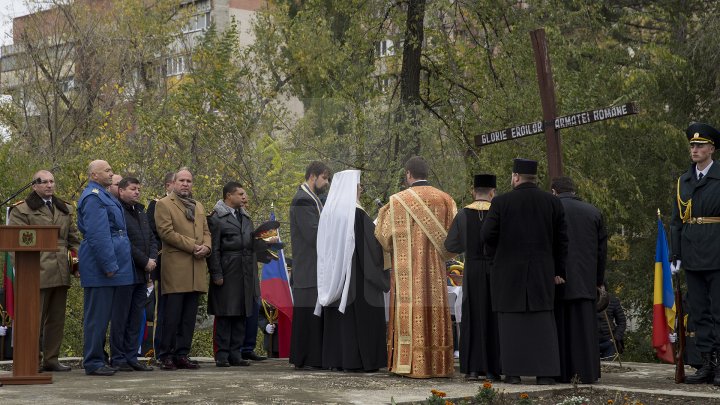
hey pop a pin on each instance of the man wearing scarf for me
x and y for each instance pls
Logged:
(183, 229)
(350, 281)
(412, 229)
(305, 208)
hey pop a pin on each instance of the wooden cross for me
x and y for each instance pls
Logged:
(551, 123)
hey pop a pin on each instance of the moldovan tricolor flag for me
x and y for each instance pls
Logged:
(8, 277)
(663, 300)
(275, 289)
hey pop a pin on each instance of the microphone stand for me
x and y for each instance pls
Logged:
(23, 188)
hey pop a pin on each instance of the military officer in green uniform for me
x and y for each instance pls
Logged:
(43, 207)
(695, 234)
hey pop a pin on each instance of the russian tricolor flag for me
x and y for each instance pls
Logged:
(275, 289)
(663, 300)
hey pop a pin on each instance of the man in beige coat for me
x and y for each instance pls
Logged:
(182, 227)
(42, 207)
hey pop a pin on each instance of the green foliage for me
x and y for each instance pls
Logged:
(235, 115)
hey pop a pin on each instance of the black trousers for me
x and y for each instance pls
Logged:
(704, 297)
(229, 337)
(178, 326)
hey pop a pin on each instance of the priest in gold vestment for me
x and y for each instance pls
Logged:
(411, 229)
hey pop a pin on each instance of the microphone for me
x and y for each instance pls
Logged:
(378, 202)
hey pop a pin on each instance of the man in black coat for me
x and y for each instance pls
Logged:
(479, 339)
(305, 208)
(234, 285)
(694, 236)
(575, 312)
(526, 228)
(611, 327)
(144, 255)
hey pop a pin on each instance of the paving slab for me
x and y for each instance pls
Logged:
(275, 382)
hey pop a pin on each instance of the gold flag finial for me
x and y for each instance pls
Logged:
(658, 212)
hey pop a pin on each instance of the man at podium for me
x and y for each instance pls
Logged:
(42, 207)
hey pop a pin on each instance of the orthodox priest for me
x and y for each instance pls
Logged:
(575, 310)
(526, 227)
(350, 281)
(305, 208)
(479, 339)
(412, 229)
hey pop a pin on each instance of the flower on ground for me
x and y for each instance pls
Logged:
(487, 385)
(438, 393)
(524, 396)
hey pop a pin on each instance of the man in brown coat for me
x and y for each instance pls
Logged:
(42, 207)
(182, 227)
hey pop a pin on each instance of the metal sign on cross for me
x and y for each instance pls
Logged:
(551, 123)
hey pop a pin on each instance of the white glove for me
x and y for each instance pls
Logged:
(270, 328)
(3, 330)
(675, 266)
(672, 337)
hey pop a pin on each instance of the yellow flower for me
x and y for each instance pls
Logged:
(610, 402)
(448, 402)
(524, 396)
(438, 393)
(487, 385)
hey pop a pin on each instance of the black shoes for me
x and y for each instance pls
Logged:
(168, 365)
(184, 362)
(545, 381)
(252, 356)
(512, 379)
(222, 363)
(492, 377)
(122, 367)
(239, 363)
(706, 373)
(137, 366)
(104, 371)
(56, 367)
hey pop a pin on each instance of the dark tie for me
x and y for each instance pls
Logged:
(238, 216)
(700, 176)
(50, 207)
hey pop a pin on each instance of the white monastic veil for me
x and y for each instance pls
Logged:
(336, 240)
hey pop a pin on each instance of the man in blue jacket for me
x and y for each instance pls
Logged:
(105, 263)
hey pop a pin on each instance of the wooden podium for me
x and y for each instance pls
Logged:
(27, 242)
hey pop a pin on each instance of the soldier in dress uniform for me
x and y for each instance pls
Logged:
(479, 340)
(694, 236)
(42, 207)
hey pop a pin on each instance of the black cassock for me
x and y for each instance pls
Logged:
(356, 340)
(575, 308)
(479, 338)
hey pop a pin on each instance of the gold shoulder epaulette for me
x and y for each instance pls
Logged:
(96, 191)
(18, 203)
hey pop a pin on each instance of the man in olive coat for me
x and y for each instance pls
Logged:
(182, 227)
(526, 227)
(694, 236)
(42, 207)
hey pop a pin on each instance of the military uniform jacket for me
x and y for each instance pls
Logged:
(527, 229)
(234, 261)
(104, 259)
(181, 271)
(697, 244)
(304, 219)
(54, 271)
(587, 252)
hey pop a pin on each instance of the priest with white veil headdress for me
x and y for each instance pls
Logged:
(350, 280)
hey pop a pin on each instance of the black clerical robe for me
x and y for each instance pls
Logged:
(479, 338)
(355, 340)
